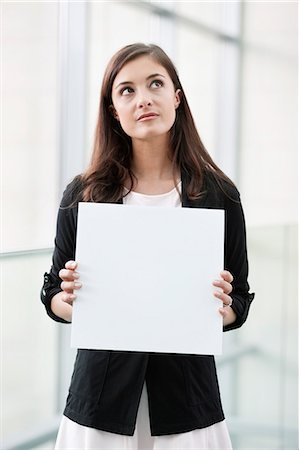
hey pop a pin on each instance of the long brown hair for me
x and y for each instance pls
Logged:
(110, 164)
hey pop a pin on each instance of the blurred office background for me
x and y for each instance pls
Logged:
(238, 64)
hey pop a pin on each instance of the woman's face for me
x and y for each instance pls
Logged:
(143, 87)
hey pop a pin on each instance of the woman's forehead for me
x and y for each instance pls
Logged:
(139, 69)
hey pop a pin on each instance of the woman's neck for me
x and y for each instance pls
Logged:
(152, 161)
(153, 168)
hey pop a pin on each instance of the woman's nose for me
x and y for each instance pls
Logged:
(143, 100)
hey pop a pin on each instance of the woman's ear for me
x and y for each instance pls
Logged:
(113, 112)
(177, 100)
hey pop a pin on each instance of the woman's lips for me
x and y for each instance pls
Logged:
(148, 118)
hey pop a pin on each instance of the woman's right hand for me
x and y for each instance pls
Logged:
(70, 282)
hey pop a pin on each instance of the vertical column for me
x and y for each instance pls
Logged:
(71, 126)
(72, 79)
(162, 28)
(229, 88)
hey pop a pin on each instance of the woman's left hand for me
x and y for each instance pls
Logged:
(229, 316)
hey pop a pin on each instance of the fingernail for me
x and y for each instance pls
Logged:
(76, 275)
(215, 282)
(217, 294)
(78, 284)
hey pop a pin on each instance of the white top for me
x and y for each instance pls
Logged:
(170, 198)
(74, 436)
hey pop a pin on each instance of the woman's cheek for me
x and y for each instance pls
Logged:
(127, 127)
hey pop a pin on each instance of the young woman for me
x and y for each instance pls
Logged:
(147, 151)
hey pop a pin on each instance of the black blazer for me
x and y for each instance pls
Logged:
(183, 390)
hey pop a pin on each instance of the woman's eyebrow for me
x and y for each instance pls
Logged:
(147, 78)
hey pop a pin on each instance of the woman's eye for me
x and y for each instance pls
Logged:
(160, 83)
(125, 89)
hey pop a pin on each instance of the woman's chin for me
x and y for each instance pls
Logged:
(150, 135)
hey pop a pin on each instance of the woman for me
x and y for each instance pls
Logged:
(146, 151)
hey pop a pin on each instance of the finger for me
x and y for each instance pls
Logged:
(71, 265)
(68, 275)
(68, 298)
(227, 276)
(223, 312)
(226, 299)
(69, 286)
(224, 285)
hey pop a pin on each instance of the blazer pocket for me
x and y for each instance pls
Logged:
(89, 374)
(201, 380)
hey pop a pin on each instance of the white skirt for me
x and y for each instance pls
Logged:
(72, 436)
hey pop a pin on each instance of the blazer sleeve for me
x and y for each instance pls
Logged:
(64, 248)
(235, 251)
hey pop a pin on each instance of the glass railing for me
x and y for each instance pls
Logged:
(259, 381)
(258, 373)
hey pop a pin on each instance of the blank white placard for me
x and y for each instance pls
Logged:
(147, 276)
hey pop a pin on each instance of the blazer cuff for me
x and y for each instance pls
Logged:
(241, 307)
(48, 290)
